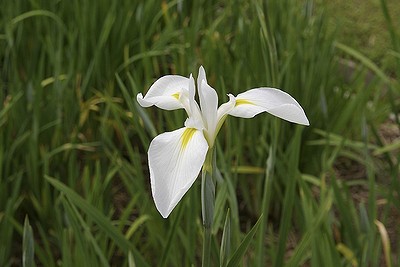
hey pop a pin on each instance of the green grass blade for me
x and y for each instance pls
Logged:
(286, 218)
(34, 13)
(171, 234)
(131, 260)
(365, 61)
(319, 218)
(266, 197)
(385, 242)
(28, 245)
(226, 241)
(82, 228)
(102, 221)
(241, 250)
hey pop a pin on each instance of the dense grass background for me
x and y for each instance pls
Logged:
(363, 26)
(74, 141)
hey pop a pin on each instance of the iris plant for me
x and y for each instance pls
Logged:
(176, 158)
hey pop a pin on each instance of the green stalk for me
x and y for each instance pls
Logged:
(207, 203)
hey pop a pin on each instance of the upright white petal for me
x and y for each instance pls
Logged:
(271, 100)
(201, 76)
(165, 93)
(209, 104)
(194, 107)
(175, 161)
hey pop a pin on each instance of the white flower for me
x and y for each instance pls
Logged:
(176, 158)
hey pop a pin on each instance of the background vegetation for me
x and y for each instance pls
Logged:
(74, 186)
(362, 25)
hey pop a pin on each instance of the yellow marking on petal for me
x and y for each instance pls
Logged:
(243, 102)
(187, 136)
(176, 95)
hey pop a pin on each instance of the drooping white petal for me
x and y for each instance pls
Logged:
(165, 92)
(271, 100)
(175, 160)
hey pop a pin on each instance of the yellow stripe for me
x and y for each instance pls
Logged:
(243, 102)
(176, 95)
(187, 136)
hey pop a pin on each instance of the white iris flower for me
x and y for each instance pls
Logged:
(176, 158)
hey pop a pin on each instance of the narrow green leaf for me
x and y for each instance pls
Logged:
(347, 253)
(266, 198)
(238, 254)
(82, 229)
(301, 251)
(102, 221)
(148, 124)
(226, 240)
(6, 108)
(346, 208)
(44, 13)
(171, 234)
(28, 245)
(364, 60)
(131, 260)
(289, 200)
(387, 148)
(136, 224)
(385, 242)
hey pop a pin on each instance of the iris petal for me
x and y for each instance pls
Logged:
(165, 93)
(175, 161)
(209, 104)
(201, 76)
(225, 108)
(271, 100)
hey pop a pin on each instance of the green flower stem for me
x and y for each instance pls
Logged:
(207, 203)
